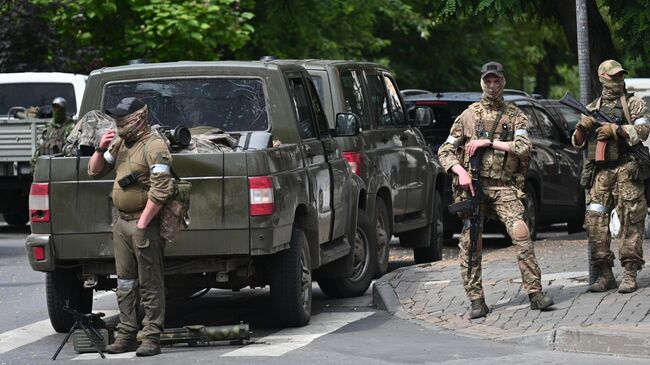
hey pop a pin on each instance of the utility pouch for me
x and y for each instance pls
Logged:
(174, 215)
(587, 176)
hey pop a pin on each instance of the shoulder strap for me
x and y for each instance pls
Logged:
(626, 109)
(497, 120)
(598, 102)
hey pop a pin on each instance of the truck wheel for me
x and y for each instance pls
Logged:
(62, 285)
(530, 214)
(382, 228)
(363, 271)
(434, 251)
(17, 216)
(291, 282)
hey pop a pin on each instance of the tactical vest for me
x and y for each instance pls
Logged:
(502, 166)
(616, 150)
(53, 140)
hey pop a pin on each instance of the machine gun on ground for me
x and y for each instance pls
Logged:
(89, 324)
(473, 208)
(638, 150)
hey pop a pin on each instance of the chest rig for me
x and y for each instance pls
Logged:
(53, 140)
(615, 150)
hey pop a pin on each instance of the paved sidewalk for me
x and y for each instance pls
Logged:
(579, 321)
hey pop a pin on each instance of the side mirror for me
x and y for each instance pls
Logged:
(347, 124)
(423, 116)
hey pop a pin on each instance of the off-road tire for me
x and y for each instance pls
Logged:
(531, 210)
(364, 249)
(382, 230)
(291, 282)
(436, 233)
(17, 216)
(62, 285)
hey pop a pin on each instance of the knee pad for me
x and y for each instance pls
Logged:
(520, 230)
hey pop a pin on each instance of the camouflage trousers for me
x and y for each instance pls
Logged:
(507, 207)
(616, 188)
(140, 278)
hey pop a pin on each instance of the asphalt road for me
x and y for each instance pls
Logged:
(349, 331)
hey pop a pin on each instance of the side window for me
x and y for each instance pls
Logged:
(353, 96)
(301, 104)
(321, 119)
(379, 101)
(533, 128)
(546, 124)
(395, 103)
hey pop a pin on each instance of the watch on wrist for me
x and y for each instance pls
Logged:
(99, 149)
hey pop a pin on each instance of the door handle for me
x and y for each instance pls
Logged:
(308, 151)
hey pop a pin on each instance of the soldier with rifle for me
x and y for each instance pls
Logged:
(612, 130)
(490, 138)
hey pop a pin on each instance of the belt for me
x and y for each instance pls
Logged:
(129, 216)
(489, 182)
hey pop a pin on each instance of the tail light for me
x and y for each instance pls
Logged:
(354, 159)
(261, 195)
(39, 253)
(39, 202)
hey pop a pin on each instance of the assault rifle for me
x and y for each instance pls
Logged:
(638, 150)
(472, 207)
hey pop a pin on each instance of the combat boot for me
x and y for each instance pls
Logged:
(148, 348)
(539, 300)
(478, 309)
(606, 280)
(628, 284)
(122, 345)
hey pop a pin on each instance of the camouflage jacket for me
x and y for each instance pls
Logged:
(497, 167)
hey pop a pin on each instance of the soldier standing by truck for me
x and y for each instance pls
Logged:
(615, 179)
(142, 185)
(56, 131)
(501, 131)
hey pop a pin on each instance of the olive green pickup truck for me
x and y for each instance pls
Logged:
(279, 209)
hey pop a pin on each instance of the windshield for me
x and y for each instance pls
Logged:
(36, 94)
(230, 104)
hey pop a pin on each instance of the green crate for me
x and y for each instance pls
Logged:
(83, 344)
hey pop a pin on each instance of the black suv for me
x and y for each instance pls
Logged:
(562, 113)
(552, 184)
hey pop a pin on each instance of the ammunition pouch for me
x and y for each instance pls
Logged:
(174, 214)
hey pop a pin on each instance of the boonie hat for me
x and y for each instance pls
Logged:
(492, 67)
(124, 107)
(611, 68)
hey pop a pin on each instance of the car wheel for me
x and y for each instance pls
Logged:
(382, 229)
(434, 251)
(17, 216)
(291, 282)
(363, 270)
(576, 224)
(531, 211)
(63, 288)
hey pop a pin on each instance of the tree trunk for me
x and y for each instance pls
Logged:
(601, 45)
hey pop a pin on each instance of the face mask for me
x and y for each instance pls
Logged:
(58, 116)
(613, 87)
(494, 94)
(132, 126)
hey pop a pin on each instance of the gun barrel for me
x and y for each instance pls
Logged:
(574, 104)
(203, 334)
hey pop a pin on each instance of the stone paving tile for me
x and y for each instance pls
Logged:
(434, 293)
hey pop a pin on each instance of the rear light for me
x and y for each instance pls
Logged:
(261, 195)
(39, 253)
(39, 202)
(354, 159)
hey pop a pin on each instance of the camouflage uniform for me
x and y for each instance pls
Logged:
(616, 183)
(86, 133)
(139, 253)
(502, 177)
(54, 135)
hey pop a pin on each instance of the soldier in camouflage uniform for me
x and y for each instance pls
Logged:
(142, 155)
(501, 129)
(55, 132)
(616, 181)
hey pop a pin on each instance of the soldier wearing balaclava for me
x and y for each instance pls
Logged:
(498, 133)
(55, 132)
(614, 178)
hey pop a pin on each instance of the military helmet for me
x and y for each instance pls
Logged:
(59, 101)
(611, 68)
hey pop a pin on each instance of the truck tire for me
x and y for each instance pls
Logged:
(436, 233)
(18, 215)
(363, 271)
(62, 285)
(291, 282)
(531, 210)
(382, 230)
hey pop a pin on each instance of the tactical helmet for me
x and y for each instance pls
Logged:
(611, 68)
(59, 101)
